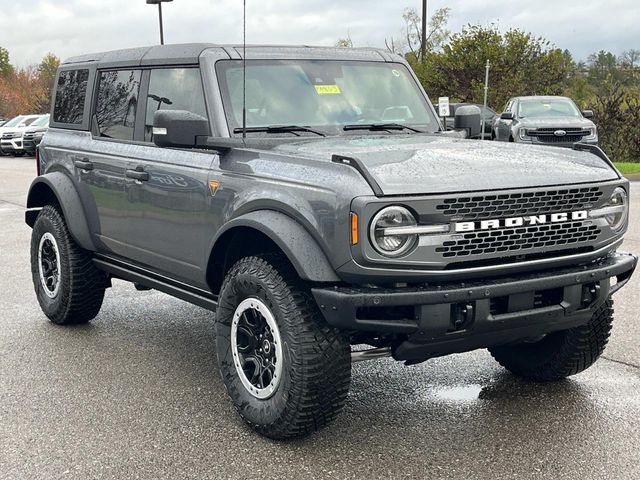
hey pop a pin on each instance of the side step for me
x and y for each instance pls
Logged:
(151, 280)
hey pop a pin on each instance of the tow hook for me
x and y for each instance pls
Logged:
(461, 315)
(590, 293)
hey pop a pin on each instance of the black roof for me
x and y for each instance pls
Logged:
(189, 53)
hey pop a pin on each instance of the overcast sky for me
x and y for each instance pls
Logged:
(31, 28)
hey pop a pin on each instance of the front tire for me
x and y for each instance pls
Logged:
(286, 371)
(69, 288)
(559, 354)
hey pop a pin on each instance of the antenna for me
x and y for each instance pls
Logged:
(244, 70)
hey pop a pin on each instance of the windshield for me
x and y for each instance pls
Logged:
(556, 107)
(14, 121)
(325, 95)
(41, 122)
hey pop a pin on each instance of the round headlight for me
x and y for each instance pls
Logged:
(619, 209)
(386, 231)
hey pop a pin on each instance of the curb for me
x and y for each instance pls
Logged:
(633, 177)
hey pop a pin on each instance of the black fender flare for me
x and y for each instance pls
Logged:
(61, 187)
(291, 237)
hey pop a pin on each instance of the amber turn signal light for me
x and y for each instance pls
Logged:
(354, 229)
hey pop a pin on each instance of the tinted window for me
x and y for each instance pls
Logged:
(174, 89)
(70, 94)
(117, 103)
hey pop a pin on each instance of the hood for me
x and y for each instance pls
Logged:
(14, 129)
(425, 164)
(556, 122)
(31, 129)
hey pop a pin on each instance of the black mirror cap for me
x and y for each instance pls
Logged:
(506, 116)
(587, 113)
(469, 118)
(179, 128)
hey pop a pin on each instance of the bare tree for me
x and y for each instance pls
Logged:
(411, 39)
(346, 42)
(630, 59)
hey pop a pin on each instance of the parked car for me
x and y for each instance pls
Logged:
(539, 120)
(11, 134)
(8, 124)
(3, 121)
(310, 222)
(487, 114)
(32, 135)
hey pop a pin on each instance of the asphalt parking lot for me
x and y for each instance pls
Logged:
(136, 394)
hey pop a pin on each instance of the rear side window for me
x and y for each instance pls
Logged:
(174, 89)
(71, 91)
(117, 103)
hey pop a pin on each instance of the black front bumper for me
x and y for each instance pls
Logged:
(457, 317)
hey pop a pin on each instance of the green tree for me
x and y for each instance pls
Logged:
(5, 67)
(603, 66)
(46, 77)
(521, 64)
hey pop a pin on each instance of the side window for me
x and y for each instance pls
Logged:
(117, 103)
(509, 106)
(173, 89)
(70, 96)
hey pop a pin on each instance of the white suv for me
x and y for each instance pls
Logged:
(11, 134)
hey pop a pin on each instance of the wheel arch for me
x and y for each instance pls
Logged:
(267, 231)
(57, 189)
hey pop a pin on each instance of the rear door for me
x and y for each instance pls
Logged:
(102, 164)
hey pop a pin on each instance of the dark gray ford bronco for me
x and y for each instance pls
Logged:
(314, 202)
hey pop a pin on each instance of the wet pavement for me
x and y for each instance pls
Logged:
(136, 394)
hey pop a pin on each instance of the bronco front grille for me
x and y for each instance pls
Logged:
(518, 204)
(508, 240)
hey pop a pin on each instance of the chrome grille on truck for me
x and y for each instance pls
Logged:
(519, 239)
(516, 204)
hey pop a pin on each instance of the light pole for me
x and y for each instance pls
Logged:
(423, 43)
(486, 91)
(159, 3)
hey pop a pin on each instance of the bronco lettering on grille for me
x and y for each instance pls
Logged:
(520, 221)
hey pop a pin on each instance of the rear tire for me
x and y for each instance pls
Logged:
(559, 354)
(69, 288)
(304, 384)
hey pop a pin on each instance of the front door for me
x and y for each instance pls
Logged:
(167, 191)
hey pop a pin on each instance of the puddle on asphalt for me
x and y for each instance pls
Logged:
(463, 393)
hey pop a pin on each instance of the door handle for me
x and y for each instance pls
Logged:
(83, 164)
(137, 174)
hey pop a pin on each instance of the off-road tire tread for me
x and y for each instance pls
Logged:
(574, 350)
(82, 298)
(321, 354)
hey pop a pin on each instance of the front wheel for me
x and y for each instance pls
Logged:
(286, 371)
(559, 354)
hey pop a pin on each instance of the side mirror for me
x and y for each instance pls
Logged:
(587, 113)
(178, 128)
(469, 118)
(506, 116)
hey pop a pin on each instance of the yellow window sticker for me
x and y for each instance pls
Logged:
(328, 90)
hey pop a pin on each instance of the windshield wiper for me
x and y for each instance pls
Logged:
(380, 126)
(279, 129)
